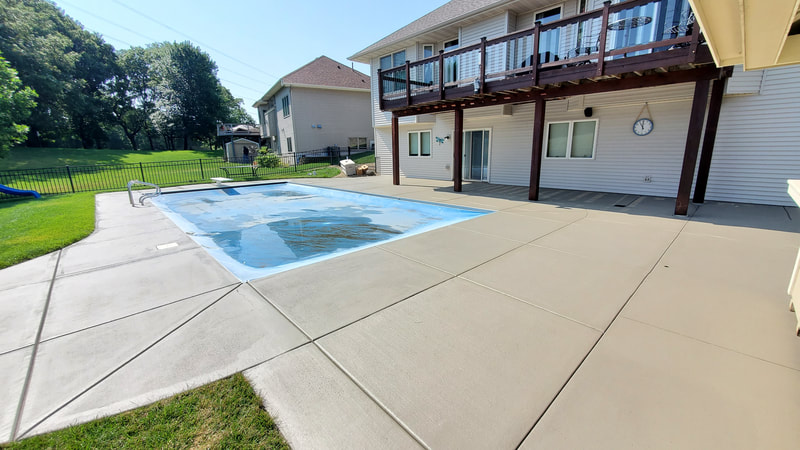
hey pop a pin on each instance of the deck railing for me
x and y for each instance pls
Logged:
(577, 47)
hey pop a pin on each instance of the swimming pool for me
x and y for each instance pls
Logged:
(259, 230)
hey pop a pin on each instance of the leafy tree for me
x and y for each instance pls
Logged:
(66, 65)
(131, 96)
(188, 97)
(16, 103)
(234, 108)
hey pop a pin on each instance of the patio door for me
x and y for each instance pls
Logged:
(476, 155)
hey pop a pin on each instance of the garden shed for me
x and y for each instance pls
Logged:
(241, 150)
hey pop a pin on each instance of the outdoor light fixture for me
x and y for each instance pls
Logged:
(440, 140)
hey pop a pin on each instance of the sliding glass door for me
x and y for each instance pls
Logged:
(476, 155)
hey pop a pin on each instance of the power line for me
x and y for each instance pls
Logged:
(220, 52)
(149, 38)
(106, 20)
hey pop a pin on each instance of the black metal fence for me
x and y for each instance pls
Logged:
(114, 177)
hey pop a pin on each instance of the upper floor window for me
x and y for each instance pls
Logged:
(549, 41)
(394, 60)
(451, 63)
(571, 140)
(285, 102)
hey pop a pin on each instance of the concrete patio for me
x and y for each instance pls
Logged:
(565, 323)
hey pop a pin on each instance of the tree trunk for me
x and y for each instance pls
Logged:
(186, 141)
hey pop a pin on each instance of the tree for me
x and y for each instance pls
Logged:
(16, 103)
(131, 96)
(188, 97)
(66, 65)
(234, 108)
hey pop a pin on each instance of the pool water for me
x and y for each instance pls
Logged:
(256, 231)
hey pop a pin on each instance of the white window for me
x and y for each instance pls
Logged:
(419, 143)
(289, 144)
(571, 140)
(285, 101)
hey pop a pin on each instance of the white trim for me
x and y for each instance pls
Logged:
(419, 146)
(488, 153)
(571, 123)
(560, 6)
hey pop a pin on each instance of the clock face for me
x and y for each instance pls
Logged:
(642, 127)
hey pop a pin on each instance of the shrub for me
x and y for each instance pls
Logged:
(268, 159)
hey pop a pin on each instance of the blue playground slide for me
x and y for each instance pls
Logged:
(7, 190)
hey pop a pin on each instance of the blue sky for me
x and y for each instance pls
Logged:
(254, 42)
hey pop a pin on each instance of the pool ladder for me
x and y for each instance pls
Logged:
(144, 196)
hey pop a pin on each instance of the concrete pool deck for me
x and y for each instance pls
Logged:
(565, 323)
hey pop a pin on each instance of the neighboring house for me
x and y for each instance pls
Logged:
(319, 105)
(631, 122)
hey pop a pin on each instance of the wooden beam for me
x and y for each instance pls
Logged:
(692, 145)
(601, 50)
(441, 74)
(482, 80)
(458, 136)
(535, 56)
(408, 83)
(655, 79)
(714, 107)
(395, 150)
(536, 149)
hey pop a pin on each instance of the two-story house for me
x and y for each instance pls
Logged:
(319, 105)
(580, 94)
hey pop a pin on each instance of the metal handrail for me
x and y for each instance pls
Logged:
(144, 196)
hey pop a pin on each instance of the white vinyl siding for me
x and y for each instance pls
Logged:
(758, 142)
(744, 82)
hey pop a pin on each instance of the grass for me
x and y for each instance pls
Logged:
(223, 414)
(100, 178)
(34, 227)
(37, 158)
(363, 158)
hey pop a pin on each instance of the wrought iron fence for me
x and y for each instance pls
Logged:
(114, 177)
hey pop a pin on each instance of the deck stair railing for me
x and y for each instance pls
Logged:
(615, 32)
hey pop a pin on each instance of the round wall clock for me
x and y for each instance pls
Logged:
(642, 127)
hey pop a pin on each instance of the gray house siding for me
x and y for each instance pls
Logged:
(342, 114)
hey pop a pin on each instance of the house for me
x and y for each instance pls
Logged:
(322, 104)
(515, 92)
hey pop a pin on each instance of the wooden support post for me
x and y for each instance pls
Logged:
(601, 57)
(408, 83)
(458, 137)
(692, 144)
(714, 107)
(536, 150)
(482, 79)
(441, 74)
(535, 56)
(380, 90)
(395, 150)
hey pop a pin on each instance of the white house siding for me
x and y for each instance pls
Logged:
(436, 167)
(744, 82)
(285, 124)
(342, 114)
(758, 142)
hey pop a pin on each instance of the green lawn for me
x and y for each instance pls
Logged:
(224, 414)
(35, 158)
(363, 158)
(34, 227)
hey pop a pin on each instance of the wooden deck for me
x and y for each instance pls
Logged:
(501, 70)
